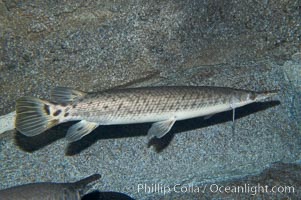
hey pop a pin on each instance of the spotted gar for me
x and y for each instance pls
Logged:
(161, 105)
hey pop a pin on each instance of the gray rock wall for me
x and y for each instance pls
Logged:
(95, 45)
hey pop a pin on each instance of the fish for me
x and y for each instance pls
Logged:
(48, 190)
(161, 105)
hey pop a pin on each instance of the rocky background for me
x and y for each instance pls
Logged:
(96, 45)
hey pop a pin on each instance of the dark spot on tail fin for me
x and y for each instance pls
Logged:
(46, 108)
(56, 113)
(32, 116)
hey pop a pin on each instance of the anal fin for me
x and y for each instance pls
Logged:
(159, 129)
(80, 129)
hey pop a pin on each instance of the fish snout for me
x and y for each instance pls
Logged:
(259, 96)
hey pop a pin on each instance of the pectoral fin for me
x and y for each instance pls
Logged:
(159, 129)
(80, 129)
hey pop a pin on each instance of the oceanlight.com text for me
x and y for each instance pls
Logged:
(214, 188)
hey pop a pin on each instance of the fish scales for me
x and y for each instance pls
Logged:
(112, 107)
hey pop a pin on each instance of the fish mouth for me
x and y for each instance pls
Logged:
(265, 95)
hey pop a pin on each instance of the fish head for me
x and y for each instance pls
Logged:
(260, 96)
(240, 98)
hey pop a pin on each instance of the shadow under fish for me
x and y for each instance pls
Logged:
(97, 195)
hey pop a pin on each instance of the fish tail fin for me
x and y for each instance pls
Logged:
(82, 183)
(34, 116)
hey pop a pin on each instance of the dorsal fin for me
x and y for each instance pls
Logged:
(66, 95)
